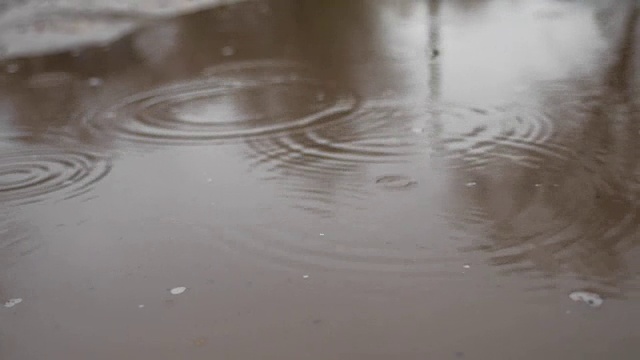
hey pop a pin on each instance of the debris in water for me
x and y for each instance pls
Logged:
(228, 51)
(12, 302)
(95, 82)
(178, 290)
(590, 298)
(471, 183)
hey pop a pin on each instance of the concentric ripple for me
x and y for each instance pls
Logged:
(355, 249)
(34, 176)
(319, 168)
(468, 137)
(32, 170)
(233, 101)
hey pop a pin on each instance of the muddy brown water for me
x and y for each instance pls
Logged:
(328, 180)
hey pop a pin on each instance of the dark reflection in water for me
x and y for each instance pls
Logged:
(316, 94)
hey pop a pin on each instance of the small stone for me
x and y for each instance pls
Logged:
(178, 290)
(12, 302)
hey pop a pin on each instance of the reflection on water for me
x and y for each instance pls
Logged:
(543, 191)
(406, 128)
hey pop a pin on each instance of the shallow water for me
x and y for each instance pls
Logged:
(324, 180)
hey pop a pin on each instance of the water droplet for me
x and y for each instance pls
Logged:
(178, 290)
(12, 68)
(471, 184)
(396, 181)
(95, 82)
(12, 302)
(589, 298)
(228, 51)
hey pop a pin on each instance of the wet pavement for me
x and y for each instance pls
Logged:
(322, 179)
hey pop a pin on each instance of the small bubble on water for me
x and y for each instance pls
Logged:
(471, 184)
(538, 185)
(95, 82)
(305, 276)
(12, 302)
(467, 266)
(140, 306)
(396, 182)
(321, 234)
(12, 68)
(178, 290)
(228, 51)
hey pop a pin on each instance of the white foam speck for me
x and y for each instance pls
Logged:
(12, 302)
(178, 290)
(471, 183)
(589, 298)
(305, 276)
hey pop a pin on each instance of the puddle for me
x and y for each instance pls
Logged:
(368, 170)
